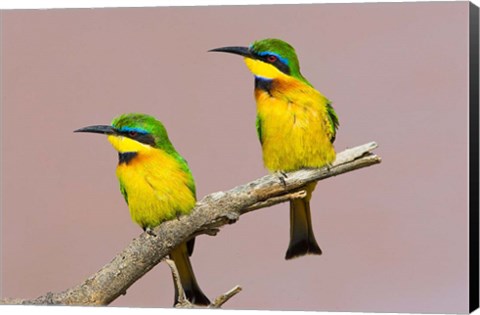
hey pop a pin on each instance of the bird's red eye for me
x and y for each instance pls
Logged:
(271, 58)
(132, 133)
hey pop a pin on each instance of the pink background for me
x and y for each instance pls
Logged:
(394, 236)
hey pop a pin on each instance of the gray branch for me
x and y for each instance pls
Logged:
(211, 213)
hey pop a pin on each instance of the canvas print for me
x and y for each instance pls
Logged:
(319, 157)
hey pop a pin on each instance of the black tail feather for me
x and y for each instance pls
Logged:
(193, 293)
(302, 239)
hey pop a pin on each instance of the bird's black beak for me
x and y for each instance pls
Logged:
(106, 130)
(242, 51)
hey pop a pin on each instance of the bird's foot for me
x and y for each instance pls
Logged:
(150, 231)
(282, 176)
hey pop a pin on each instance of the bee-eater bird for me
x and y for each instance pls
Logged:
(156, 182)
(296, 126)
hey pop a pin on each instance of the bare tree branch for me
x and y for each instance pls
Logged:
(182, 299)
(219, 301)
(211, 213)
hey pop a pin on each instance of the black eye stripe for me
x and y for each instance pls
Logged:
(144, 138)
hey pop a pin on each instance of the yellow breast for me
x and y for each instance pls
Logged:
(294, 126)
(156, 186)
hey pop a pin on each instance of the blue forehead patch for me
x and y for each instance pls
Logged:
(133, 129)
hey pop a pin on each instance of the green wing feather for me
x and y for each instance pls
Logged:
(184, 165)
(333, 119)
(123, 191)
(258, 124)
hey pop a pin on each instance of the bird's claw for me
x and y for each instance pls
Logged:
(282, 176)
(328, 167)
(150, 232)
